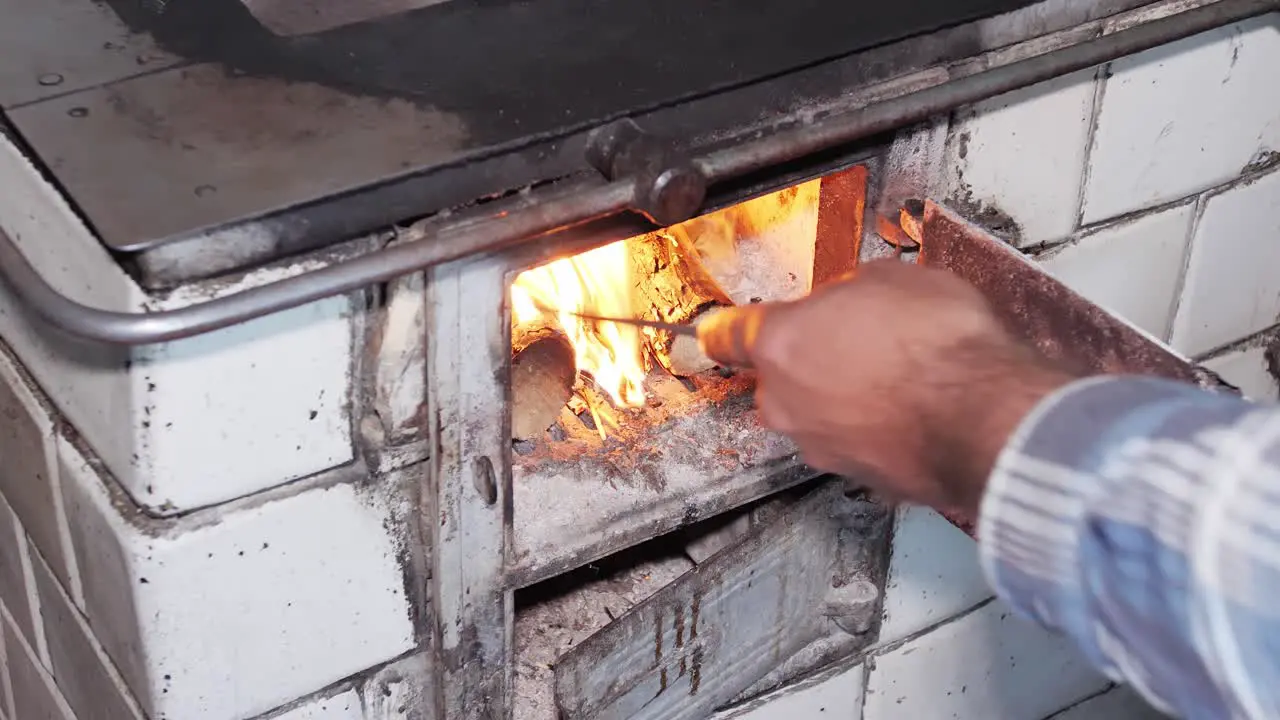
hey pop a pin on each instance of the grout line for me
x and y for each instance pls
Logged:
(1101, 75)
(44, 675)
(1060, 711)
(33, 597)
(357, 682)
(175, 62)
(1243, 178)
(1047, 248)
(866, 685)
(1188, 251)
(878, 650)
(1249, 342)
(101, 656)
(71, 563)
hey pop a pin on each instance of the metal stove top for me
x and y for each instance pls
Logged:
(165, 120)
(196, 142)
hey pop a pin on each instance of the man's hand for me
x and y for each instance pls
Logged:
(902, 378)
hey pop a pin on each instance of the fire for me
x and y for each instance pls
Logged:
(596, 282)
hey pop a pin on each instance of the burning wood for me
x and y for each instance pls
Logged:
(760, 250)
(543, 373)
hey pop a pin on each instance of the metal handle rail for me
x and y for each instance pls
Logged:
(661, 185)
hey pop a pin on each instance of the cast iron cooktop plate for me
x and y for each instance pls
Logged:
(168, 125)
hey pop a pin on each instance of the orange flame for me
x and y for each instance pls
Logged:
(596, 282)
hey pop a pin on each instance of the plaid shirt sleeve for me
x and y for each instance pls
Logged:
(1141, 518)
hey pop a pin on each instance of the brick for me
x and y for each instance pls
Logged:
(28, 476)
(83, 672)
(1118, 704)
(1247, 369)
(933, 574)
(1133, 269)
(1232, 289)
(1015, 162)
(1182, 118)
(836, 695)
(15, 569)
(185, 424)
(986, 664)
(35, 697)
(233, 612)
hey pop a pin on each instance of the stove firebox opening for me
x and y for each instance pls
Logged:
(582, 385)
(623, 433)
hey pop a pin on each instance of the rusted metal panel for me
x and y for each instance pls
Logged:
(468, 508)
(842, 202)
(699, 642)
(1062, 324)
(1059, 322)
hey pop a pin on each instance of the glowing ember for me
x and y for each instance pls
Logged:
(596, 282)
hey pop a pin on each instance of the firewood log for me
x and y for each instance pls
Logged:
(543, 372)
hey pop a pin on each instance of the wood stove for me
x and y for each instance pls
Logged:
(587, 521)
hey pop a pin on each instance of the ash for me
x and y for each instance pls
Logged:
(569, 609)
(680, 456)
(702, 423)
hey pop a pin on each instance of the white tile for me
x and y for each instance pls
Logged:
(15, 572)
(837, 696)
(30, 479)
(343, 706)
(1023, 154)
(987, 665)
(193, 422)
(80, 667)
(1134, 269)
(1247, 370)
(933, 574)
(1232, 288)
(233, 612)
(1118, 704)
(1184, 117)
(35, 697)
(228, 414)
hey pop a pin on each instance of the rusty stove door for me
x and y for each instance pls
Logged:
(808, 580)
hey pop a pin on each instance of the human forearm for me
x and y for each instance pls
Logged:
(1121, 514)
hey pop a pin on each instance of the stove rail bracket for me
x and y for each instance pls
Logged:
(663, 188)
(669, 188)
